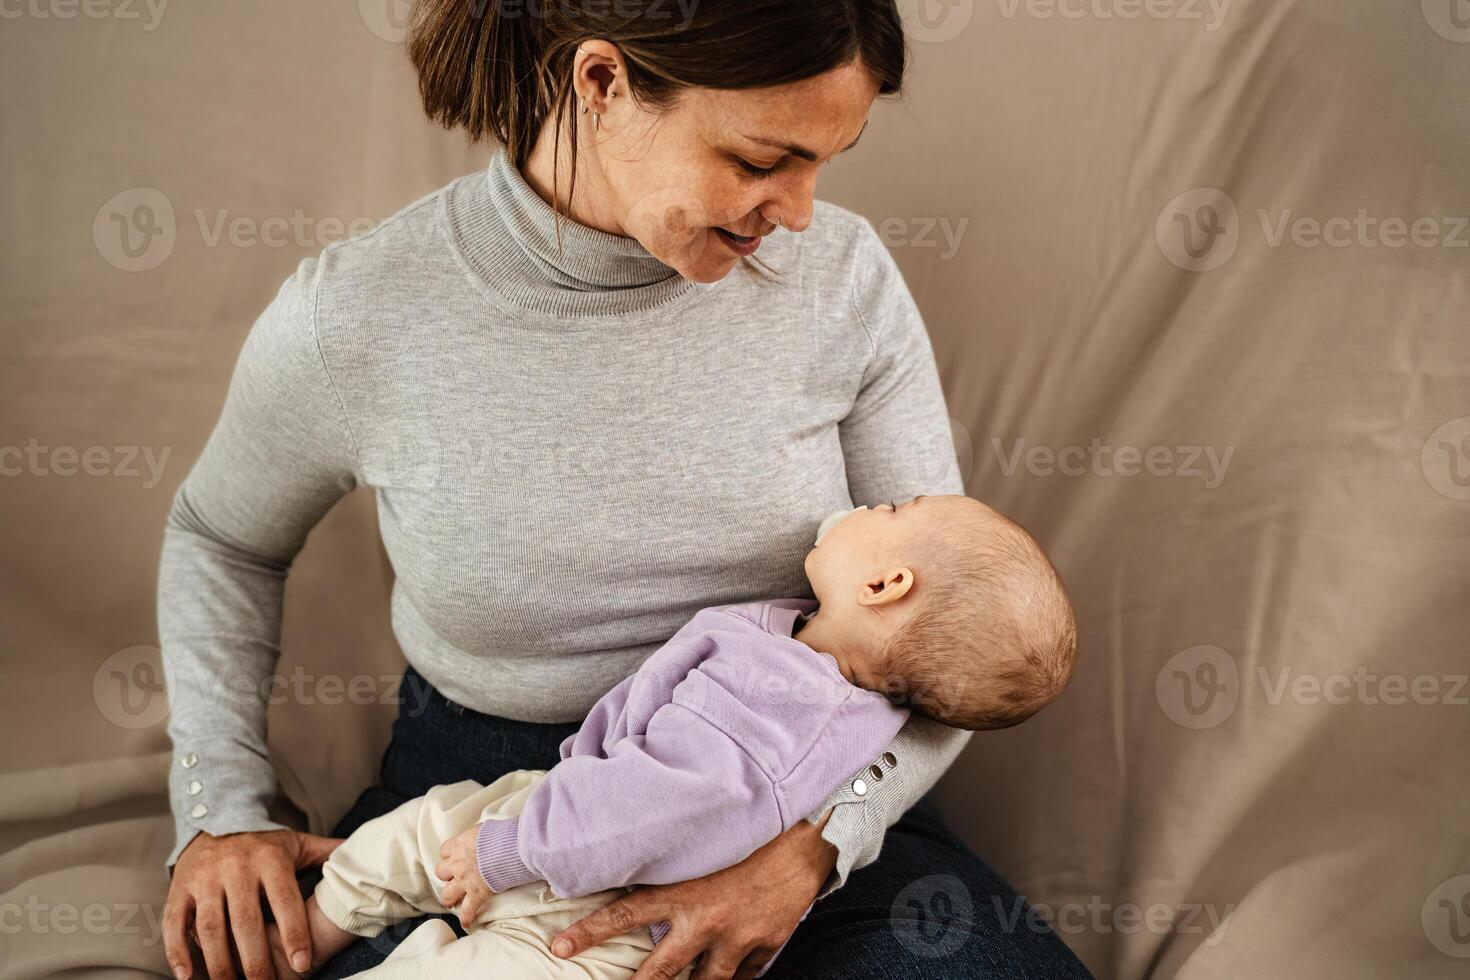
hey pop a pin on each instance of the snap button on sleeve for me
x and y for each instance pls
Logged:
(891, 759)
(198, 811)
(194, 787)
(859, 787)
(876, 771)
(189, 761)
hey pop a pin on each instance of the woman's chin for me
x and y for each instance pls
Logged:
(708, 266)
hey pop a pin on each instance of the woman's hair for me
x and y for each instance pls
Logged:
(502, 68)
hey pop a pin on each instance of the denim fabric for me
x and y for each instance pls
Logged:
(927, 909)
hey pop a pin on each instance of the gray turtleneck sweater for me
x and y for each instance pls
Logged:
(572, 453)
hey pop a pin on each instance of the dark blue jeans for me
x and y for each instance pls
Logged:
(926, 909)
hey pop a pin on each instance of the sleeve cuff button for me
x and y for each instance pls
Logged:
(189, 761)
(199, 811)
(194, 787)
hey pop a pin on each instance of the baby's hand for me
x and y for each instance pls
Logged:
(460, 868)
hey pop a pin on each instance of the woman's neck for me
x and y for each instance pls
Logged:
(591, 205)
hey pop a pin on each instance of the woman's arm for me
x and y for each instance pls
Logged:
(897, 444)
(280, 455)
(732, 767)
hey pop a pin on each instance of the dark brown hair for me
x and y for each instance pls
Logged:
(502, 68)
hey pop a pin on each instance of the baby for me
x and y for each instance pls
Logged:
(745, 722)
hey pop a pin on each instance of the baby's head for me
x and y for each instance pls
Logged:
(945, 604)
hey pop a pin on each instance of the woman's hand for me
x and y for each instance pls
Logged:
(461, 868)
(216, 877)
(737, 918)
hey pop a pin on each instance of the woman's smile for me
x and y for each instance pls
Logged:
(739, 244)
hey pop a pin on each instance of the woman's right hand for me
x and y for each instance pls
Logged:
(220, 878)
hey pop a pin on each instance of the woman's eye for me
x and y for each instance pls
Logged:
(755, 171)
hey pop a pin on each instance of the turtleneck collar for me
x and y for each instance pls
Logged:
(508, 235)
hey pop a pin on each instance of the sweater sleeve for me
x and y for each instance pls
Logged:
(279, 456)
(680, 801)
(896, 442)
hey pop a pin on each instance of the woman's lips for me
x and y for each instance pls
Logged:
(739, 244)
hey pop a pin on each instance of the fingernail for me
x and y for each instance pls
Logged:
(181, 972)
(300, 962)
(562, 948)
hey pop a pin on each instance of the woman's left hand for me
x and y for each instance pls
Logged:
(737, 918)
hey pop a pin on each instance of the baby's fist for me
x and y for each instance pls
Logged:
(460, 868)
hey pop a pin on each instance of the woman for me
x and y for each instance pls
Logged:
(580, 429)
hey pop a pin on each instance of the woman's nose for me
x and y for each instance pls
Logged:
(792, 210)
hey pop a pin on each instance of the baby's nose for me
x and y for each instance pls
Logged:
(832, 519)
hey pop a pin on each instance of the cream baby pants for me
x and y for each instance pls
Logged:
(384, 873)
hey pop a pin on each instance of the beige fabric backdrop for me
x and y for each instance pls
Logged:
(1152, 225)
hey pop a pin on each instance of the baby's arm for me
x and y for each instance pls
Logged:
(682, 801)
(679, 802)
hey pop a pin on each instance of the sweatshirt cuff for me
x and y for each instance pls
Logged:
(497, 853)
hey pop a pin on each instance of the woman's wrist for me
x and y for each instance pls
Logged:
(819, 853)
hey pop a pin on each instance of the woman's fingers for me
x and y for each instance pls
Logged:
(719, 963)
(614, 919)
(247, 923)
(213, 936)
(755, 961)
(668, 960)
(177, 914)
(312, 850)
(289, 909)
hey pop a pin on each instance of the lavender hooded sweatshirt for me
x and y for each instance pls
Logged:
(725, 737)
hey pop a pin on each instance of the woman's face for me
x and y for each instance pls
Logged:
(671, 180)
